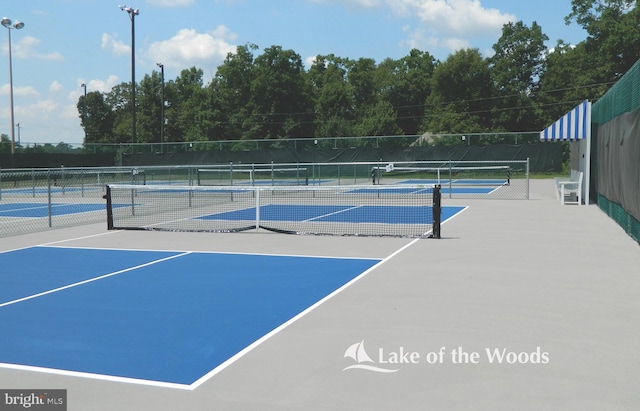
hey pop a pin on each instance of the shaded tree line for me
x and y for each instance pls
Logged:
(5, 147)
(522, 87)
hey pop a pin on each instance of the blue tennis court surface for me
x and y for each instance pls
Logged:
(444, 190)
(45, 190)
(37, 210)
(157, 316)
(336, 213)
(461, 186)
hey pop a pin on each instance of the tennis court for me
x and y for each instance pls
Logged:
(107, 312)
(337, 214)
(166, 320)
(228, 302)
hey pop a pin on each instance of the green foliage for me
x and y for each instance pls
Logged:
(5, 144)
(60, 148)
(516, 69)
(270, 95)
(460, 89)
(612, 27)
(406, 84)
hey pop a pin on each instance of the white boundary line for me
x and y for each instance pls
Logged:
(344, 210)
(90, 280)
(276, 330)
(62, 241)
(212, 252)
(102, 377)
(214, 371)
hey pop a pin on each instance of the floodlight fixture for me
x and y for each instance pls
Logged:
(10, 25)
(132, 15)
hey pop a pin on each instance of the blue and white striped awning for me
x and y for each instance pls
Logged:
(575, 125)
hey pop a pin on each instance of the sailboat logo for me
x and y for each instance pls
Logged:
(359, 354)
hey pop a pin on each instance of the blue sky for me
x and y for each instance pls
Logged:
(66, 43)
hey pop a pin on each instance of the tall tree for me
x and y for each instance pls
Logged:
(280, 99)
(516, 68)
(231, 92)
(378, 119)
(406, 84)
(461, 95)
(5, 144)
(96, 118)
(613, 36)
(373, 115)
(148, 99)
(568, 79)
(119, 99)
(361, 79)
(192, 112)
(333, 101)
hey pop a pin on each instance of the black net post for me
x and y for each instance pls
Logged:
(107, 197)
(437, 210)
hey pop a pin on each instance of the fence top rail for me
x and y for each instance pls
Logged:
(355, 189)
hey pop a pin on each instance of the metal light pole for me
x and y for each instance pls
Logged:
(84, 113)
(11, 25)
(161, 106)
(132, 15)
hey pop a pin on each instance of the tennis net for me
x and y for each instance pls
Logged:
(407, 211)
(290, 176)
(488, 175)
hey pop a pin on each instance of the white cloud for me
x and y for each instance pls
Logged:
(49, 120)
(103, 86)
(28, 91)
(309, 61)
(190, 48)
(70, 112)
(460, 17)
(444, 24)
(114, 45)
(448, 24)
(55, 86)
(422, 39)
(26, 48)
(35, 114)
(41, 106)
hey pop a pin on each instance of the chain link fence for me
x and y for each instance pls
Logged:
(37, 200)
(33, 200)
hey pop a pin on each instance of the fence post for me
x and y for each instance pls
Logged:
(49, 197)
(527, 180)
(450, 179)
